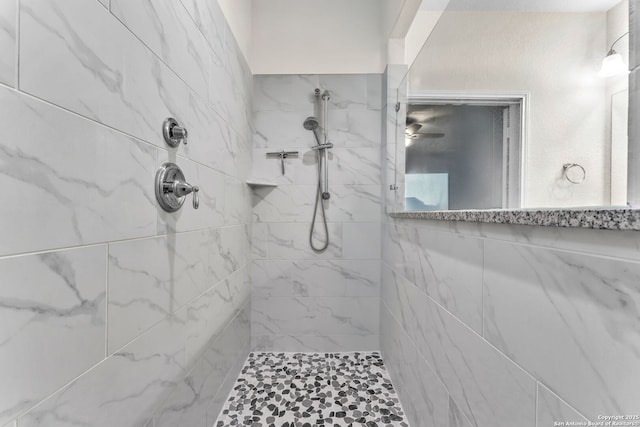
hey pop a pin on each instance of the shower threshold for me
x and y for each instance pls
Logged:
(313, 389)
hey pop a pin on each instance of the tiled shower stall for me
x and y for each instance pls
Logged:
(115, 313)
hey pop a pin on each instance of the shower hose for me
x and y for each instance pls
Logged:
(315, 209)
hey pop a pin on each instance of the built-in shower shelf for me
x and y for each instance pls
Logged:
(256, 183)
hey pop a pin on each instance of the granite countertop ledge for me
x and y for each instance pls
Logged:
(594, 218)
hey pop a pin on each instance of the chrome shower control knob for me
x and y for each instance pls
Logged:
(173, 133)
(172, 188)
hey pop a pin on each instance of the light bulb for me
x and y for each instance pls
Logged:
(612, 65)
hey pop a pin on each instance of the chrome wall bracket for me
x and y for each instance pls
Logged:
(282, 155)
(173, 133)
(172, 188)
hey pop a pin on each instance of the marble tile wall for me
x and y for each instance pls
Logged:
(302, 300)
(529, 315)
(113, 312)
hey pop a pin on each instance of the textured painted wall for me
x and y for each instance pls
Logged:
(305, 301)
(555, 58)
(112, 311)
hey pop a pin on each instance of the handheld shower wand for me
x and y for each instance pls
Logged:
(322, 145)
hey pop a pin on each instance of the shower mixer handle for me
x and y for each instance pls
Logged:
(172, 188)
(173, 133)
(322, 146)
(181, 189)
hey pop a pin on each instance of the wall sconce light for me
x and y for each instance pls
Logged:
(613, 64)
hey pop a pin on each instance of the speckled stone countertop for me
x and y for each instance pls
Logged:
(601, 219)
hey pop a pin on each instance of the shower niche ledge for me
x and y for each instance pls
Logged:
(259, 183)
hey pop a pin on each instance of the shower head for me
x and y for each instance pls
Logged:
(311, 123)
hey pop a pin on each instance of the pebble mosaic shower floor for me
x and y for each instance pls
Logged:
(313, 389)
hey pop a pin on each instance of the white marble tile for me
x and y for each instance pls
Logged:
(354, 203)
(220, 88)
(237, 201)
(394, 291)
(223, 392)
(128, 89)
(123, 390)
(210, 20)
(450, 271)
(294, 92)
(8, 46)
(400, 250)
(552, 410)
(166, 28)
(259, 240)
(188, 404)
(52, 310)
(315, 343)
(151, 278)
(456, 417)
(278, 130)
(355, 128)
(285, 203)
(554, 312)
(212, 196)
(228, 251)
(361, 240)
(347, 90)
(102, 192)
(489, 388)
(212, 141)
(354, 166)
(211, 312)
(291, 241)
(616, 244)
(423, 397)
(316, 316)
(271, 278)
(272, 93)
(336, 278)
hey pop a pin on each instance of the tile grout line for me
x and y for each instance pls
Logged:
(117, 241)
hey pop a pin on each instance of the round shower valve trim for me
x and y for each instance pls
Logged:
(173, 133)
(172, 188)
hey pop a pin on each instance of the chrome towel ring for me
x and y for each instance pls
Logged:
(571, 177)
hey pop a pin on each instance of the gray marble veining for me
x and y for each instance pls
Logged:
(124, 389)
(71, 199)
(588, 308)
(160, 25)
(488, 387)
(52, 307)
(146, 307)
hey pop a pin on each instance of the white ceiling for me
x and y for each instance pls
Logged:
(523, 5)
